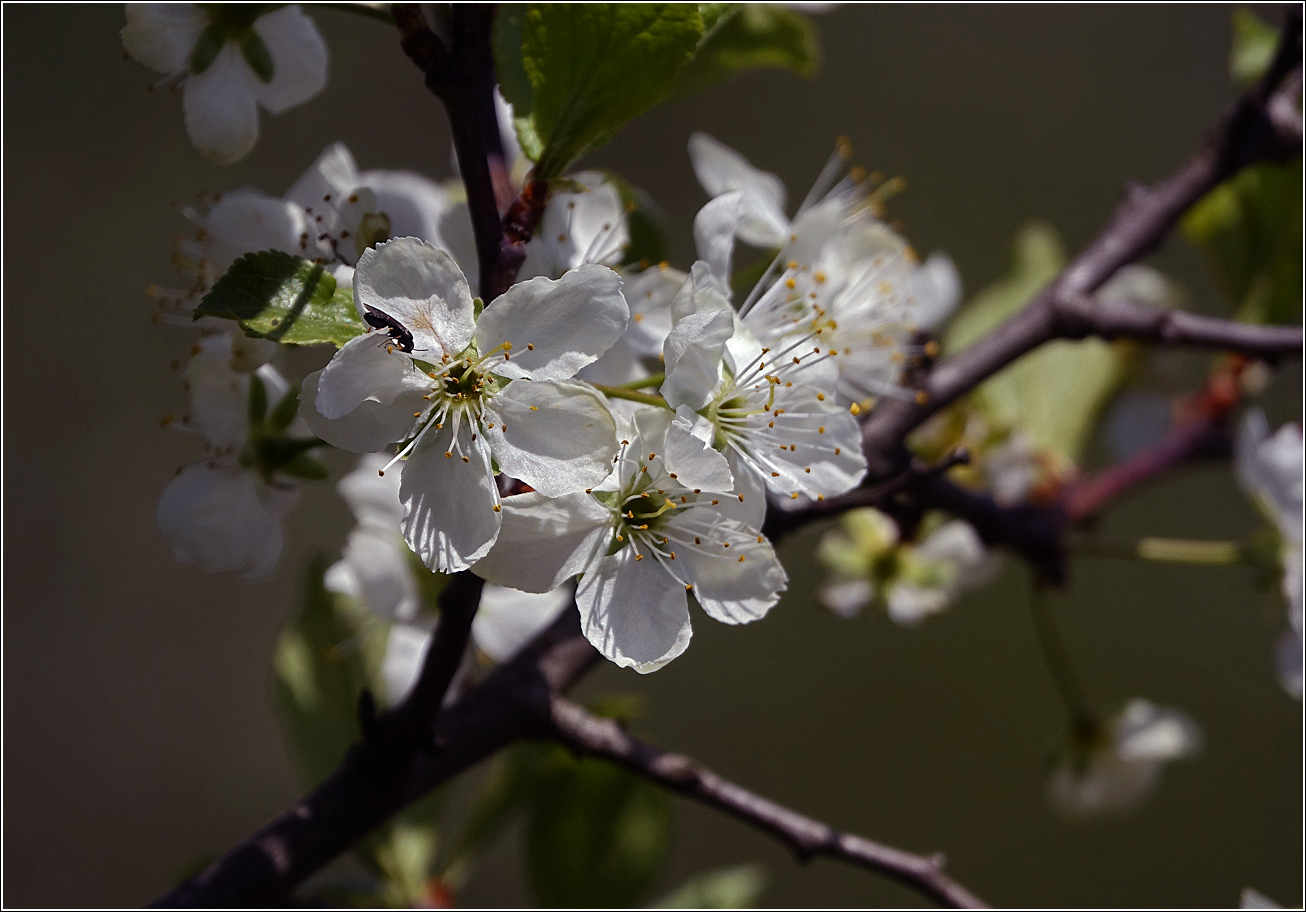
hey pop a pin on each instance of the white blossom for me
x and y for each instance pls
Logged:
(490, 394)
(1269, 468)
(641, 541)
(1114, 769)
(222, 513)
(844, 278)
(228, 60)
(1254, 899)
(913, 580)
(376, 570)
(331, 214)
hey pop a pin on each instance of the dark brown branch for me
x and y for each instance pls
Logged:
(1083, 316)
(588, 734)
(1246, 134)
(374, 782)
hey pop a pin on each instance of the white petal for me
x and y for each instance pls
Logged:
(545, 541)
(747, 503)
(847, 598)
(299, 58)
(378, 572)
(689, 456)
(220, 109)
(369, 428)
(421, 287)
(414, 204)
(1288, 661)
(217, 516)
(649, 295)
(693, 358)
(559, 437)
(577, 228)
(699, 294)
(218, 396)
(721, 169)
(373, 498)
(449, 515)
(1252, 899)
(508, 619)
(618, 365)
(457, 237)
(815, 430)
(909, 604)
(935, 290)
(714, 238)
(557, 327)
(1104, 785)
(366, 370)
(1144, 731)
(736, 577)
(633, 611)
(958, 544)
(245, 221)
(405, 652)
(327, 182)
(162, 35)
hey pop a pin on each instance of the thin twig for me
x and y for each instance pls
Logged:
(1246, 134)
(586, 733)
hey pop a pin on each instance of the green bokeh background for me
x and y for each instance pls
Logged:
(139, 731)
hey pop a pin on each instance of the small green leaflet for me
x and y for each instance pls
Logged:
(575, 73)
(748, 36)
(1254, 41)
(725, 888)
(285, 298)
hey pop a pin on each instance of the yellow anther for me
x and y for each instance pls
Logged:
(922, 397)
(417, 414)
(507, 346)
(448, 455)
(820, 429)
(776, 474)
(741, 498)
(715, 502)
(808, 470)
(838, 450)
(820, 278)
(792, 264)
(725, 544)
(497, 508)
(689, 586)
(639, 557)
(620, 538)
(793, 496)
(672, 474)
(820, 497)
(741, 558)
(645, 526)
(932, 348)
(855, 409)
(697, 540)
(673, 555)
(790, 283)
(465, 459)
(797, 360)
(530, 346)
(535, 408)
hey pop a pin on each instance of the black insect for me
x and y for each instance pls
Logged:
(396, 331)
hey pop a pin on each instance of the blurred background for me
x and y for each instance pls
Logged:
(139, 726)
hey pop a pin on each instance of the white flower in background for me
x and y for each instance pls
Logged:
(229, 59)
(649, 293)
(1253, 899)
(1114, 769)
(330, 215)
(844, 277)
(224, 513)
(641, 541)
(1269, 469)
(377, 571)
(490, 394)
(764, 409)
(913, 580)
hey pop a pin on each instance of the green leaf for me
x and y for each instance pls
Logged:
(1055, 393)
(324, 658)
(1249, 230)
(285, 298)
(749, 36)
(739, 887)
(590, 68)
(597, 835)
(1254, 41)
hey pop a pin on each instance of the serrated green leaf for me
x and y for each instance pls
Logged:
(1249, 230)
(1055, 393)
(739, 887)
(749, 36)
(597, 835)
(1254, 41)
(590, 68)
(285, 298)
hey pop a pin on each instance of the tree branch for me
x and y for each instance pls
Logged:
(588, 734)
(1247, 133)
(374, 782)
